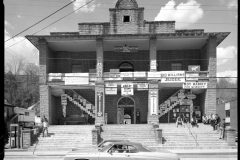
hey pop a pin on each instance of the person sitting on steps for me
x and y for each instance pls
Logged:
(179, 121)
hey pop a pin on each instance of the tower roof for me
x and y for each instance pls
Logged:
(126, 4)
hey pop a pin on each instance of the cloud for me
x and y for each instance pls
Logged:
(226, 54)
(8, 24)
(189, 12)
(87, 8)
(232, 3)
(24, 48)
(227, 74)
(19, 16)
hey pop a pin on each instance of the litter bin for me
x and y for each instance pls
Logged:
(127, 119)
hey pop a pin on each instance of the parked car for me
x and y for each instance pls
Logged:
(121, 151)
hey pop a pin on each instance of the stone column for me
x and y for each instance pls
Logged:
(210, 100)
(153, 54)
(229, 136)
(95, 137)
(153, 103)
(99, 87)
(43, 87)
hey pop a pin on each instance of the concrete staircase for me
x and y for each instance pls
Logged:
(64, 137)
(180, 138)
(142, 133)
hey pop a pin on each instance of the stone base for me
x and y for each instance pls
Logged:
(153, 119)
(99, 121)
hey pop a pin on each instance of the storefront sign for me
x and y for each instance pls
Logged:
(126, 48)
(192, 76)
(173, 76)
(111, 91)
(99, 104)
(54, 76)
(127, 89)
(126, 74)
(64, 99)
(113, 76)
(76, 78)
(139, 74)
(192, 85)
(194, 68)
(191, 96)
(154, 75)
(142, 86)
(153, 101)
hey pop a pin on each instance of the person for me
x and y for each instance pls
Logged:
(194, 122)
(222, 127)
(210, 119)
(179, 121)
(217, 122)
(204, 119)
(45, 125)
(193, 114)
(138, 117)
(213, 121)
(114, 149)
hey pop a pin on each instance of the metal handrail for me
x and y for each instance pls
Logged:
(190, 131)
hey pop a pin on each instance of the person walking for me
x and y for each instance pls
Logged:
(217, 122)
(45, 126)
(179, 121)
(222, 127)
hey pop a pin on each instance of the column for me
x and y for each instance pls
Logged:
(153, 103)
(99, 87)
(153, 53)
(43, 87)
(210, 100)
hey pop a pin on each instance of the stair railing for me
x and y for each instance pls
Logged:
(190, 131)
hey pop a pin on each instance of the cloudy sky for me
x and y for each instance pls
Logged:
(210, 15)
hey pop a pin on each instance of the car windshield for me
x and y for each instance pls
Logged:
(104, 149)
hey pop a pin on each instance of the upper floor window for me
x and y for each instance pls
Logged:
(76, 68)
(126, 18)
(176, 66)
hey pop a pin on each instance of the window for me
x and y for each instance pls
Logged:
(26, 113)
(228, 113)
(126, 18)
(176, 66)
(76, 68)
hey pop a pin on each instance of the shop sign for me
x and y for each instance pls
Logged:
(139, 74)
(113, 76)
(192, 85)
(192, 76)
(191, 96)
(194, 68)
(153, 101)
(127, 89)
(110, 84)
(126, 74)
(142, 86)
(173, 76)
(125, 48)
(154, 75)
(64, 99)
(153, 65)
(111, 91)
(99, 104)
(76, 78)
(54, 76)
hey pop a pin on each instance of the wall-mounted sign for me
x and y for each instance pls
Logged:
(76, 78)
(99, 104)
(194, 68)
(142, 86)
(54, 76)
(110, 84)
(153, 101)
(154, 75)
(111, 91)
(192, 85)
(127, 89)
(172, 76)
(126, 48)
(139, 74)
(99, 68)
(192, 76)
(153, 65)
(112, 76)
(191, 96)
(64, 99)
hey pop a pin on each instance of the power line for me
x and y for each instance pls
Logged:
(53, 23)
(41, 20)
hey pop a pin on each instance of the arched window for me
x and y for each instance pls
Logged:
(126, 67)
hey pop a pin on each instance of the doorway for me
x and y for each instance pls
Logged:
(126, 110)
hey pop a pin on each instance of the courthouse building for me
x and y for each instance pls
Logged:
(113, 71)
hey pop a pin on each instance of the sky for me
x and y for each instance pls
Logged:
(210, 15)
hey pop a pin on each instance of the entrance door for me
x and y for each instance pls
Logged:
(126, 108)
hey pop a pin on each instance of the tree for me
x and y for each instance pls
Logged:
(223, 92)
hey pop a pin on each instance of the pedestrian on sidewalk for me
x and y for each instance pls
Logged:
(222, 127)
(45, 125)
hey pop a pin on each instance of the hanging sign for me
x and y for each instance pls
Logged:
(153, 101)
(172, 76)
(194, 68)
(64, 99)
(142, 86)
(76, 78)
(191, 96)
(192, 85)
(125, 48)
(192, 76)
(127, 89)
(154, 75)
(111, 91)
(99, 104)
